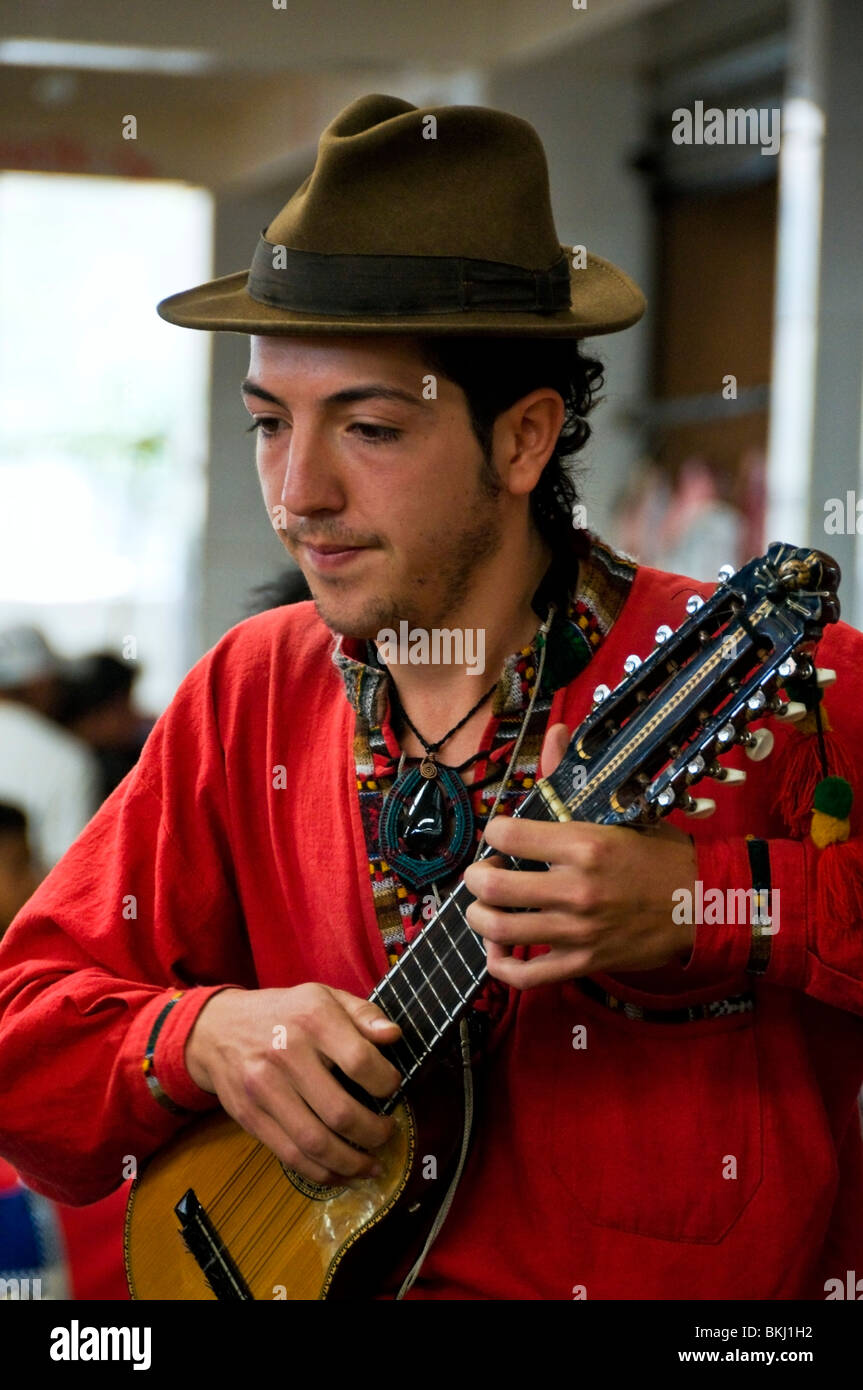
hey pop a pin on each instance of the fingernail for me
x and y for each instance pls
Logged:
(377, 1171)
(381, 1023)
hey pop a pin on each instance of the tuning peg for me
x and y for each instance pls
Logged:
(696, 766)
(758, 745)
(699, 807)
(788, 668)
(662, 634)
(601, 693)
(824, 676)
(727, 734)
(631, 664)
(666, 797)
(791, 710)
(726, 572)
(694, 603)
(731, 776)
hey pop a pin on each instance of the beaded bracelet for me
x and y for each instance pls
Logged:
(762, 931)
(149, 1066)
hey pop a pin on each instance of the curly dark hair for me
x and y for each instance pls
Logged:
(496, 372)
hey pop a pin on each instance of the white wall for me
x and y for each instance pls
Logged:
(589, 108)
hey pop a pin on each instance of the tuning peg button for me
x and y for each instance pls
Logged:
(700, 807)
(758, 745)
(824, 676)
(732, 776)
(791, 711)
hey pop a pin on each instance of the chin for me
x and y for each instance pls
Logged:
(342, 620)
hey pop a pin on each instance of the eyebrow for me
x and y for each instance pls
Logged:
(368, 391)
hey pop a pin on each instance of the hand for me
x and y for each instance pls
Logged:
(604, 904)
(279, 1086)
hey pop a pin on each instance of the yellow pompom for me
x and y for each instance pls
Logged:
(827, 830)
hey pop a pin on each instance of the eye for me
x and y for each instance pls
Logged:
(376, 434)
(267, 424)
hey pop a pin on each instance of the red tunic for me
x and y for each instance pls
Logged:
(712, 1159)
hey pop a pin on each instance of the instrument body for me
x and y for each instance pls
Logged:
(216, 1215)
(270, 1233)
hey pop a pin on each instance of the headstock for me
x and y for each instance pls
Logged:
(692, 699)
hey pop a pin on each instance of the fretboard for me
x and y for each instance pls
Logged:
(435, 978)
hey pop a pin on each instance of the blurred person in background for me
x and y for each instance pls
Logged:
(96, 705)
(19, 875)
(45, 770)
(288, 587)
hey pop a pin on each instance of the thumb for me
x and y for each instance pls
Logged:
(367, 1017)
(553, 749)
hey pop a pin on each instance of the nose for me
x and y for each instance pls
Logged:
(302, 474)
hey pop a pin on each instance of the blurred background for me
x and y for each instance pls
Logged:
(143, 148)
(131, 517)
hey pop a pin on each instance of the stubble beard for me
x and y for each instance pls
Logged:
(441, 590)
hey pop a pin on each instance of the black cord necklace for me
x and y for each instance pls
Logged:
(426, 825)
(428, 766)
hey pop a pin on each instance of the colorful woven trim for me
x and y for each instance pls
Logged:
(693, 1013)
(591, 594)
(148, 1066)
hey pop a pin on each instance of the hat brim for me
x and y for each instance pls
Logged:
(604, 300)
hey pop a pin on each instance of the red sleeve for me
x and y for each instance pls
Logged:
(817, 944)
(142, 905)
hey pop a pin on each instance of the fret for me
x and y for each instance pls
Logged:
(437, 978)
(409, 959)
(396, 1010)
(447, 987)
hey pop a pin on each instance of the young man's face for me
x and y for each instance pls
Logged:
(379, 497)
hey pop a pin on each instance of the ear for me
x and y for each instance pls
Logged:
(525, 436)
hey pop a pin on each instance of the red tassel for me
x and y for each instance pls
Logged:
(840, 886)
(801, 774)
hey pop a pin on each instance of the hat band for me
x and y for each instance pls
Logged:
(311, 282)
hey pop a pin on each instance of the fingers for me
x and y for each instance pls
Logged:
(558, 887)
(299, 1139)
(580, 844)
(551, 967)
(351, 1036)
(527, 928)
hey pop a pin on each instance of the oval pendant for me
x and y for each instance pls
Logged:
(426, 826)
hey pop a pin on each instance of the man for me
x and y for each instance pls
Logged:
(662, 1112)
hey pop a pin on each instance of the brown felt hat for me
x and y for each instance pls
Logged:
(429, 219)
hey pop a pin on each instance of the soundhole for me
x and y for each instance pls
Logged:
(319, 1192)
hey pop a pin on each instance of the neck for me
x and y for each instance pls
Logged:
(498, 615)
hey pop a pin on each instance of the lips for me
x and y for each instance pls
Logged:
(331, 549)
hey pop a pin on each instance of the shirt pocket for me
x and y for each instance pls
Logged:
(661, 1122)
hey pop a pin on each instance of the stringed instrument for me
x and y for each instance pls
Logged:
(216, 1215)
